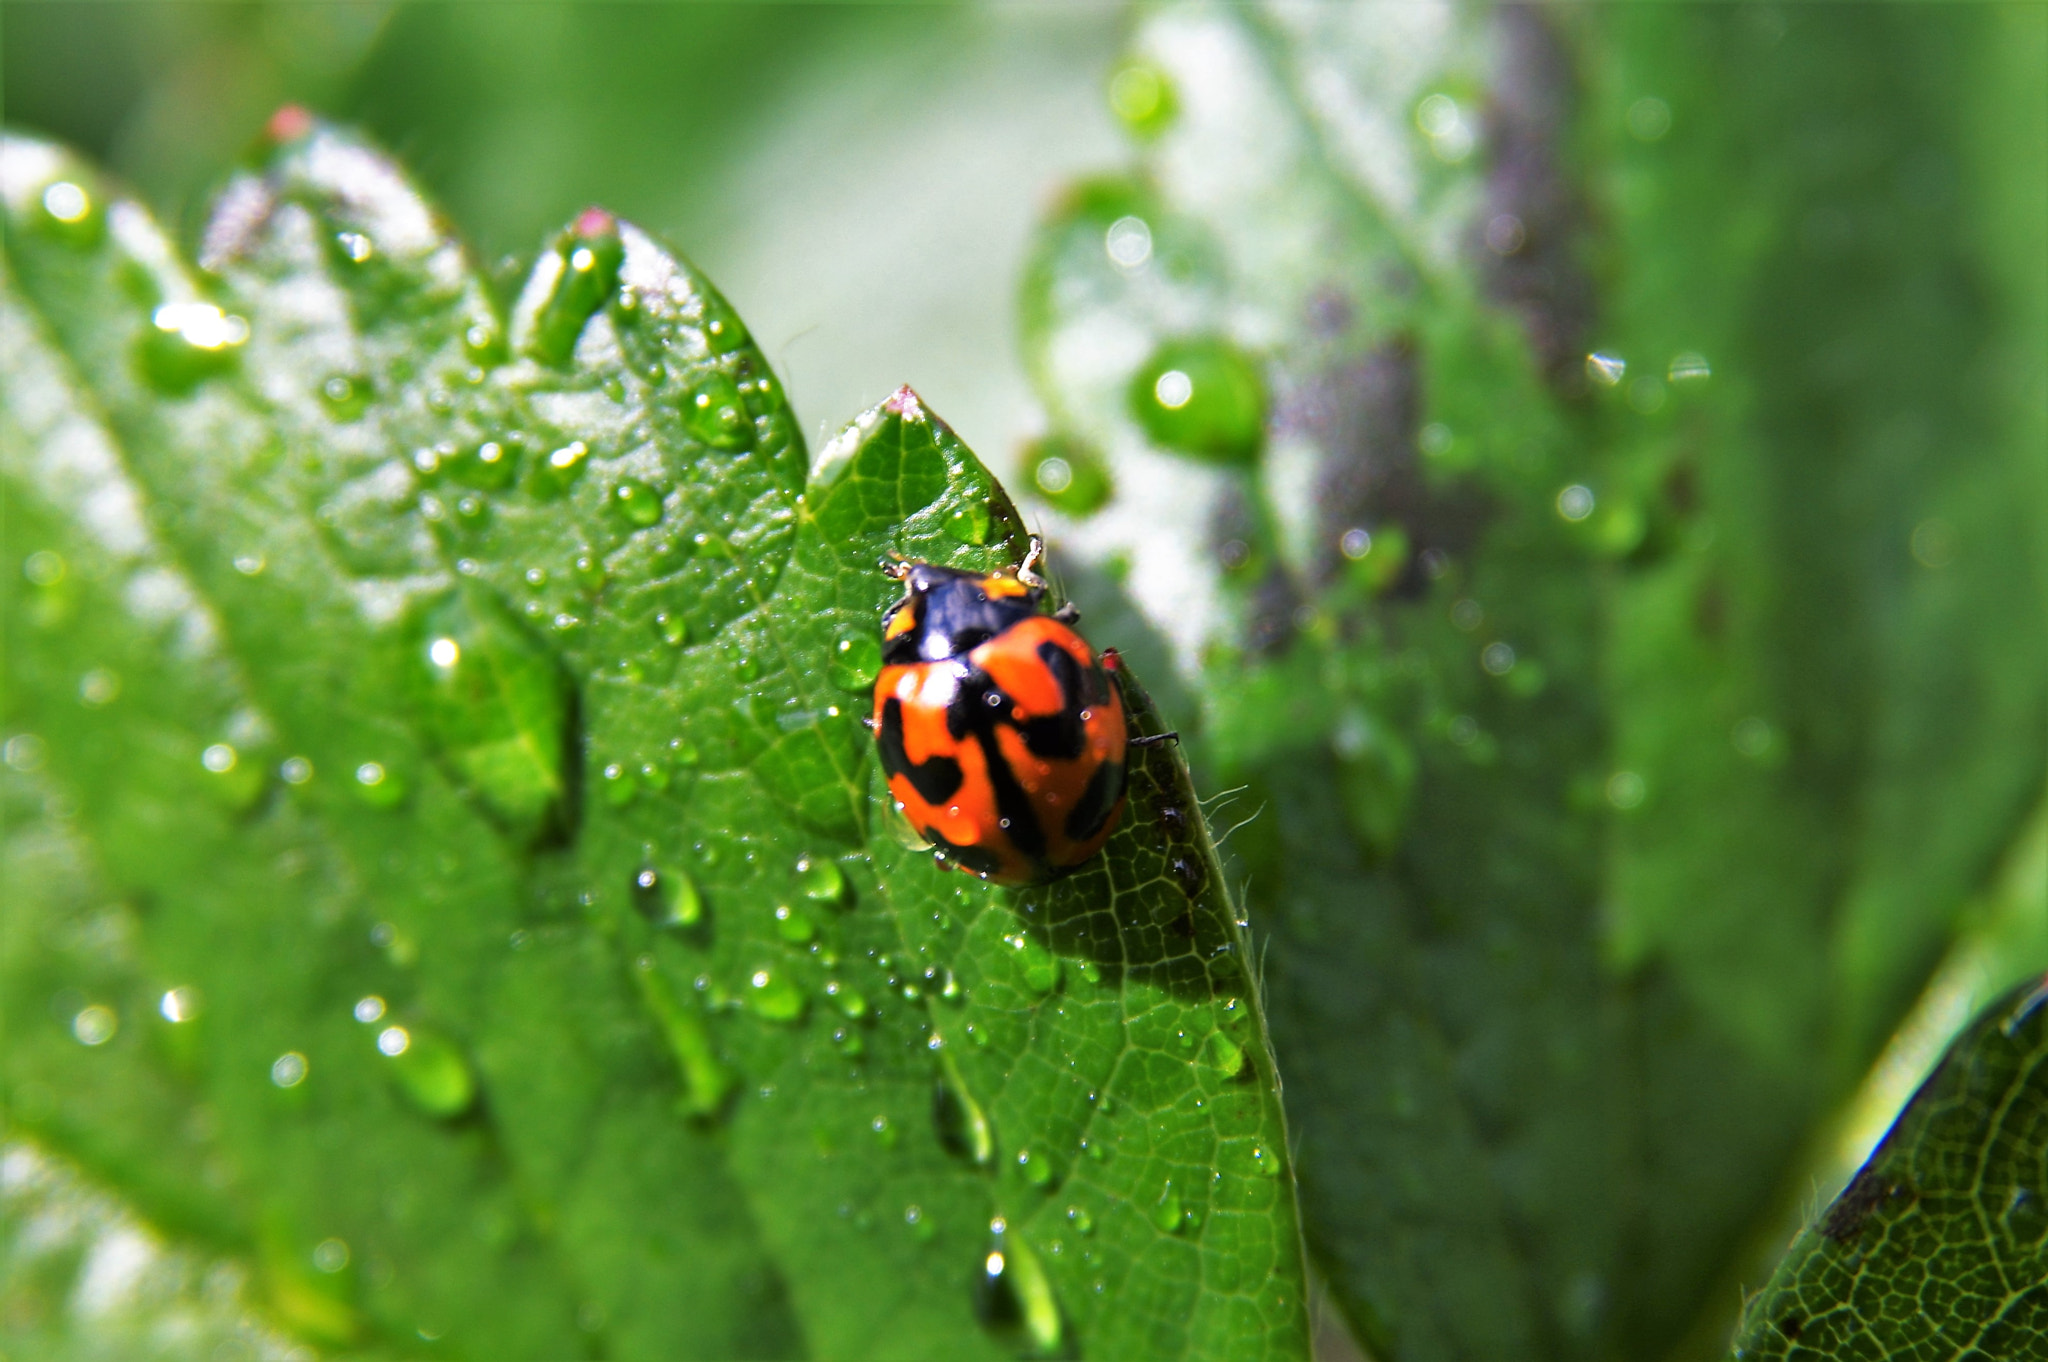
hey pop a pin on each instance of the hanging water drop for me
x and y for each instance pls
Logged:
(429, 1071)
(715, 413)
(1166, 1212)
(667, 897)
(963, 1128)
(1013, 1298)
(793, 926)
(853, 661)
(821, 879)
(1202, 397)
(636, 503)
(773, 997)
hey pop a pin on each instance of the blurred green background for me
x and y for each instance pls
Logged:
(1849, 209)
(861, 180)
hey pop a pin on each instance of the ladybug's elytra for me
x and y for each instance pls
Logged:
(1002, 735)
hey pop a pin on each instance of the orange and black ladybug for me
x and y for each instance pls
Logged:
(1002, 735)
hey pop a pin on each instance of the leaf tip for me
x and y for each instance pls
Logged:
(290, 123)
(903, 402)
(594, 221)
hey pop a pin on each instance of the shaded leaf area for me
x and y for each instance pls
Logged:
(461, 696)
(1936, 1247)
(1631, 627)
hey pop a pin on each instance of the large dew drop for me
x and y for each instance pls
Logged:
(496, 708)
(1013, 1298)
(1202, 397)
(428, 1070)
(962, 1126)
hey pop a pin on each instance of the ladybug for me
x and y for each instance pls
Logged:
(1003, 736)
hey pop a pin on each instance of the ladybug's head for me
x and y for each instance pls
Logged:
(945, 612)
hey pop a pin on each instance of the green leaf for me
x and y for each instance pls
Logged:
(1935, 1248)
(543, 648)
(1572, 629)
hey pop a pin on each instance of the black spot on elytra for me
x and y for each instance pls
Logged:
(1012, 804)
(974, 858)
(1098, 801)
(935, 779)
(1059, 736)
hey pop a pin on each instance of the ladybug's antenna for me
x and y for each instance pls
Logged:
(1027, 570)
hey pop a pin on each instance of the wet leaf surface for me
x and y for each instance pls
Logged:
(482, 747)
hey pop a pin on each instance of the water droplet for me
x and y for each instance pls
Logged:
(1069, 475)
(792, 926)
(1083, 1223)
(1625, 790)
(495, 703)
(1037, 1169)
(963, 1128)
(1450, 133)
(849, 1000)
(673, 628)
(921, 1227)
(378, 786)
(67, 203)
(1142, 97)
(746, 667)
(584, 269)
(1648, 119)
(94, 1025)
(369, 1008)
(1224, 1055)
(1038, 967)
(1265, 1161)
(971, 523)
(1202, 397)
(1605, 369)
(220, 758)
(821, 879)
(1497, 659)
(853, 662)
(330, 1255)
(637, 503)
(428, 1070)
(707, 1082)
(884, 1130)
(345, 396)
(491, 465)
(773, 997)
(188, 343)
(619, 784)
(714, 412)
(1575, 502)
(1688, 366)
(1166, 1213)
(1091, 971)
(289, 1069)
(683, 753)
(668, 897)
(1013, 1298)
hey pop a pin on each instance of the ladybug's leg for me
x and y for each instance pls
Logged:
(1154, 739)
(1027, 571)
(1068, 613)
(895, 568)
